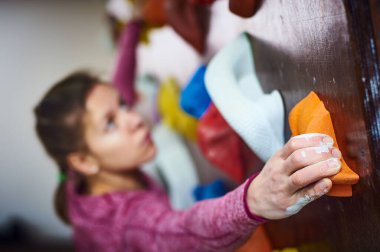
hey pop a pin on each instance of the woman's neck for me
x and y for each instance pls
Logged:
(106, 182)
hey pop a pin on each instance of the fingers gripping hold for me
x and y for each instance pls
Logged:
(313, 173)
(295, 176)
(304, 141)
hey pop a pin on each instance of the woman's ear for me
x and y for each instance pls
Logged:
(82, 163)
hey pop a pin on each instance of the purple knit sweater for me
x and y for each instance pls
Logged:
(143, 220)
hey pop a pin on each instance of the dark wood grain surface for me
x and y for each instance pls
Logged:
(328, 46)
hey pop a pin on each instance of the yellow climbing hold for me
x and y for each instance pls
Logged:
(171, 112)
(286, 250)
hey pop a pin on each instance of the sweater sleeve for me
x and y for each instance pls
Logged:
(124, 74)
(219, 224)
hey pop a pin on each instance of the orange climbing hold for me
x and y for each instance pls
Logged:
(311, 116)
(244, 8)
(259, 241)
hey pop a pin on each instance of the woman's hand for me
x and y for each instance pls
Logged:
(137, 10)
(295, 176)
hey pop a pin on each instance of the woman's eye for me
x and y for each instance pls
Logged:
(123, 105)
(111, 125)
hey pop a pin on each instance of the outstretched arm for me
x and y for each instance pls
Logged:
(211, 225)
(125, 73)
(292, 178)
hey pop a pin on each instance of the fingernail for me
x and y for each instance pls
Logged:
(336, 153)
(328, 140)
(324, 187)
(94, 170)
(334, 165)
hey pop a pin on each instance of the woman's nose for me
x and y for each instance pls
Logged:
(133, 120)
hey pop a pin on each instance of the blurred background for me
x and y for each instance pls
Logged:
(40, 42)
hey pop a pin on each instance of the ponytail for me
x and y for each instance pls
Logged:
(59, 126)
(60, 201)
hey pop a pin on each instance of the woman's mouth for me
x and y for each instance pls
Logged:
(148, 139)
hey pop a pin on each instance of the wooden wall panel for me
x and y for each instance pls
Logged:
(328, 46)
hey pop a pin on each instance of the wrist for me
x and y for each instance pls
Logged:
(249, 205)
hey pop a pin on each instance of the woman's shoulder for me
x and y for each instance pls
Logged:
(109, 205)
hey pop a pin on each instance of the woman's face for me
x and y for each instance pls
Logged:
(117, 137)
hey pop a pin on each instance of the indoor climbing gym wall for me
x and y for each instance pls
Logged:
(328, 47)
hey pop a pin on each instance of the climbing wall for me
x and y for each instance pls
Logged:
(328, 47)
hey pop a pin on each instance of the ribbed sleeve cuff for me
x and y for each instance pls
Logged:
(251, 215)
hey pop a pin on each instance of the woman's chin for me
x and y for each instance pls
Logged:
(152, 153)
